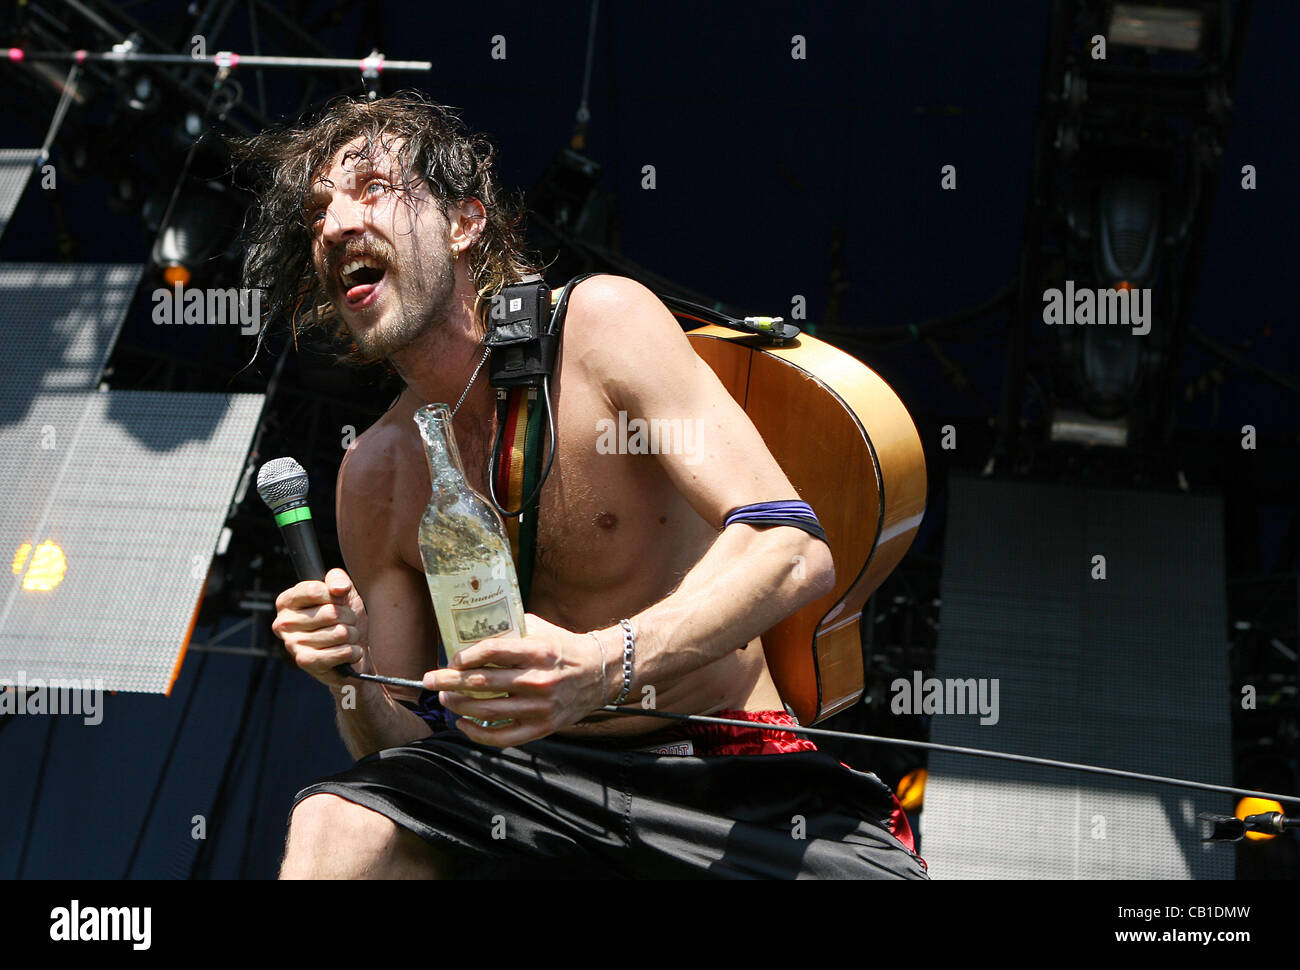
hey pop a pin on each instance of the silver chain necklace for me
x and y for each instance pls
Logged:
(464, 393)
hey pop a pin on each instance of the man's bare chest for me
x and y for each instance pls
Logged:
(610, 526)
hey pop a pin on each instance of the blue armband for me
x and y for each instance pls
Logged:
(785, 512)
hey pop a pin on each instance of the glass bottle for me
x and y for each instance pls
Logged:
(465, 550)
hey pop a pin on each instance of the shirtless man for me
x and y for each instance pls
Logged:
(620, 536)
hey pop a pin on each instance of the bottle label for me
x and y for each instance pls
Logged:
(477, 606)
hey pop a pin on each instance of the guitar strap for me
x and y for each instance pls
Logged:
(520, 412)
(532, 462)
(516, 475)
(517, 472)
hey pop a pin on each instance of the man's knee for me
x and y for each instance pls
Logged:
(329, 815)
(333, 838)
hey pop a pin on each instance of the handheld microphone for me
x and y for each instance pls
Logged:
(283, 485)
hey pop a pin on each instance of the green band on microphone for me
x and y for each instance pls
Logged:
(293, 515)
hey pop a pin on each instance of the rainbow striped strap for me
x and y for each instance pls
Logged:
(510, 464)
(518, 468)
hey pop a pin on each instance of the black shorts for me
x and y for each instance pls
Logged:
(560, 808)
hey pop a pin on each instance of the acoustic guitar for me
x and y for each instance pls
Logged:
(851, 450)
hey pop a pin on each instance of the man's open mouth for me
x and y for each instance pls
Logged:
(359, 278)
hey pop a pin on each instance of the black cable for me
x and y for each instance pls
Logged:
(627, 266)
(493, 458)
(929, 327)
(36, 797)
(676, 303)
(201, 869)
(554, 444)
(253, 817)
(166, 767)
(1242, 361)
(550, 458)
(953, 749)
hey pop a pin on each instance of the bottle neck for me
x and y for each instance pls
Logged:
(445, 467)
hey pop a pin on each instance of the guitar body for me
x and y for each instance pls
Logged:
(849, 447)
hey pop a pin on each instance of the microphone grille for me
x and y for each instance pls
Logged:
(281, 481)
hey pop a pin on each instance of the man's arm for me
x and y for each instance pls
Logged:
(630, 345)
(399, 611)
(366, 624)
(750, 578)
(368, 718)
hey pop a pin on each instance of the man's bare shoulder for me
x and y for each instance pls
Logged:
(376, 472)
(609, 308)
(633, 346)
(621, 333)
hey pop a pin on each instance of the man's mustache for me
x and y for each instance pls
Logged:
(357, 250)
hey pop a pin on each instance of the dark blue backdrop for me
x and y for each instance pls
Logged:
(759, 160)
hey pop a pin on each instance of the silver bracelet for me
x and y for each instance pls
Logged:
(592, 634)
(629, 641)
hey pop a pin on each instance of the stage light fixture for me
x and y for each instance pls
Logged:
(1126, 249)
(1167, 28)
(911, 790)
(1257, 806)
(45, 566)
(142, 94)
(202, 223)
(127, 197)
(1128, 214)
(1081, 428)
(570, 197)
(188, 130)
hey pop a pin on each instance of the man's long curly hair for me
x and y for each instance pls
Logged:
(431, 146)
